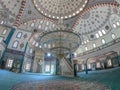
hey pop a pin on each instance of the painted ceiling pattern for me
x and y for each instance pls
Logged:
(39, 24)
(13, 8)
(91, 18)
(60, 8)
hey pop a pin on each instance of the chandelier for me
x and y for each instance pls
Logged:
(59, 41)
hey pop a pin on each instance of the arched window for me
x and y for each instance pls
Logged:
(10, 63)
(109, 62)
(15, 44)
(100, 33)
(103, 41)
(47, 68)
(97, 35)
(98, 64)
(86, 48)
(31, 50)
(94, 45)
(19, 35)
(4, 32)
(1, 39)
(27, 67)
(83, 67)
(103, 31)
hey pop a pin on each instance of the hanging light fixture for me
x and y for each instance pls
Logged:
(59, 41)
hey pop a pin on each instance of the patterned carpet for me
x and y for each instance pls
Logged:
(59, 85)
(95, 80)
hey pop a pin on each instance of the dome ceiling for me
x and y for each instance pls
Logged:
(60, 8)
(13, 8)
(93, 19)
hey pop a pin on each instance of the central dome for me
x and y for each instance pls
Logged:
(60, 8)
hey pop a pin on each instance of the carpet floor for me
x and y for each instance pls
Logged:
(95, 80)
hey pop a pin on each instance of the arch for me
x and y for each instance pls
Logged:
(19, 35)
(15, 44)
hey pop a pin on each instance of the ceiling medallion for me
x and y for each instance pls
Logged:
(60, 9)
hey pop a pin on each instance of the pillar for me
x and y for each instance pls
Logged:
(86, 70)
(7, 41)
(22, 61)
(74, 67)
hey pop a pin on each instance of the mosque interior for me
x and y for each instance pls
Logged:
(59, 44)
